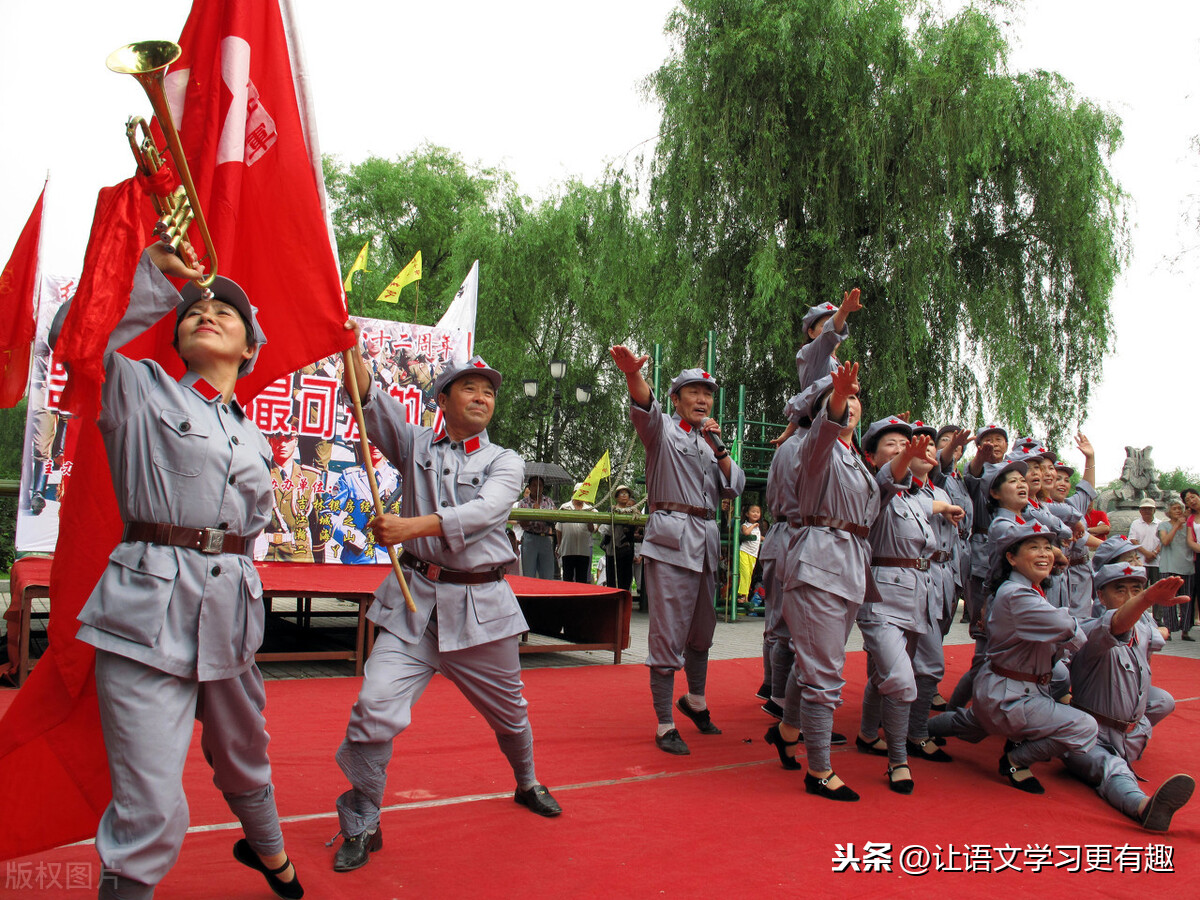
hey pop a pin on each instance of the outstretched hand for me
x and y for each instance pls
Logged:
(845, 380)
(918, 448)
(626, 361)
(1084, 446)
(851, 302)
(1164, 592)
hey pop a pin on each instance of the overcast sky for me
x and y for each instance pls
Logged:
(551, 90)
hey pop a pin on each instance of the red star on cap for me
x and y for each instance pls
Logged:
(1036, 527)
(479, 364)
(893, 421)
(1127, 570)
(918, 423)
(705, 374)
(829, 306)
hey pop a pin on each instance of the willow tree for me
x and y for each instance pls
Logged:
(808, 146)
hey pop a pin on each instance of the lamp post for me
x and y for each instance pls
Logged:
(583, 394)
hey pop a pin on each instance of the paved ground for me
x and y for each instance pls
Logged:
(733, 640)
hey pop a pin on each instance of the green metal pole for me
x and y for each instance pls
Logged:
(710, 355)
(657, 380)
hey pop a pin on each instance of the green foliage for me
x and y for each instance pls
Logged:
(808, 146)
(12, 440)
(1177, 479)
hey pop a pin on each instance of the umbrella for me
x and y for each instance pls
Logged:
(550, 473)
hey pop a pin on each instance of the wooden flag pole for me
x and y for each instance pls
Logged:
(352, 381)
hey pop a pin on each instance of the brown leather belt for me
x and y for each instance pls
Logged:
(942, 556)
(700, 512)
(206, 540)
(826, 522)
(434, 572)
(1116, 724)
(921, 564)
(1021, 676)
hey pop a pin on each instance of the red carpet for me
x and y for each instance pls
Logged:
(726, 821)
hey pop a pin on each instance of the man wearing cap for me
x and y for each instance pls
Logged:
(177, 615)
(825, 325)
(575, 542)
(688, 471)
(619, 540)
(458, 491)
(1110, 677)
(1143, 534)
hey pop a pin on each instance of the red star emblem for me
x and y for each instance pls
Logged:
(918, 423)
(705, 375)
(479, 364)
(1127, 570)
(1036, 527)
(829, 306)
(893, 421)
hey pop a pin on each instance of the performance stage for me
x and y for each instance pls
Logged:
(726, 821)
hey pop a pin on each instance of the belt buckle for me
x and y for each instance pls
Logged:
(922, 564)
(1043, 679)
(212, 540)
(432, 571)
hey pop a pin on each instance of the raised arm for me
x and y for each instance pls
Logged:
(639, 388)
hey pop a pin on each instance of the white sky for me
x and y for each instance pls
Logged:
(550, 90)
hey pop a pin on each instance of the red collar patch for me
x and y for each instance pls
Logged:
(1020, 521)
(205, 390)
(471, 444)
(686, 426)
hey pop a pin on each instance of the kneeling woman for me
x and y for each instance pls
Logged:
(1012, 690)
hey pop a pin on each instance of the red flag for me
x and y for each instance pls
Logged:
(18, 287)
(245, 122)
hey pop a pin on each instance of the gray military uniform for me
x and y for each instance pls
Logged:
(824, 575)
(175, 629)
(680, 550)
(1024, 634)
(466, 632)
(1110, 677)
(778, 656)
(815, 359)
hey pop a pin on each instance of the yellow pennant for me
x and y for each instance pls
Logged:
(587, 490)
(360, 265)
(409, 274)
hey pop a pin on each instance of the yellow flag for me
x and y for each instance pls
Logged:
(409, 274)
(360, 265)
(587, 490)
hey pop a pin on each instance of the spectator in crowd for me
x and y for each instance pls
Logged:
(1175, 559)
(1143, 534)
(1098, 524)
(751, 541)
(618, 542)
(1191, 500)
(575, 543)
(537, 538)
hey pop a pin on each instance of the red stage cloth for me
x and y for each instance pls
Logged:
(28, 570)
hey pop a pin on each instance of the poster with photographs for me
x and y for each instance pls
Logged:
(322, 499)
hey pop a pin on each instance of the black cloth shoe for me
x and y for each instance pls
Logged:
(764, 692)
(775, 739)
(820, 787)
(773, 709)
(539, 800)
(1029, 785)
(836, 739)
(876, 748)
(927, 749)
(356, 850)
(671, 742)
(900, 785)
(289, 890)
(700, 717)
(938, 704)
(1170, 796)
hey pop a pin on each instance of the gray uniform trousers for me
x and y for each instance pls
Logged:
(891, 684)
(682, 623)
(820, 623)
(147, 716)
(395, 676)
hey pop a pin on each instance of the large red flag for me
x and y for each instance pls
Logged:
(18, 287)
(245, 123)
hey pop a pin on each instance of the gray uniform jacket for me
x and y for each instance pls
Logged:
(981, 521)
(1079, 591)
(1024, 635)
(177, 455)
(953, 485)
(943, 595)
(780, 501)
(471, 485)
(681, 468)
(1110, 675)
(901, 529)
(815, 359)
(830, 480)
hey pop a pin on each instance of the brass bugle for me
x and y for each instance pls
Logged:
(147, 61)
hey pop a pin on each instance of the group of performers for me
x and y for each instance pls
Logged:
(880, 538)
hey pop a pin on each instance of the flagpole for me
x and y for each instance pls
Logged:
(352, 381)
(417, 300)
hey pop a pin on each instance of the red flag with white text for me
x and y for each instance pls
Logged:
(246, 126)
(18, 317)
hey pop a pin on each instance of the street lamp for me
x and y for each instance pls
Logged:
(583, 395)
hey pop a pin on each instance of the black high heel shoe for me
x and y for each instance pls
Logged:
(820, 787)
(877, 747)
(1029, 785)
(775, 739)
(288, 890)
(900, 785)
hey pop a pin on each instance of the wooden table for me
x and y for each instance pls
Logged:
(575, 616)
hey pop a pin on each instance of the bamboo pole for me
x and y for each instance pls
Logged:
(356, 398)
